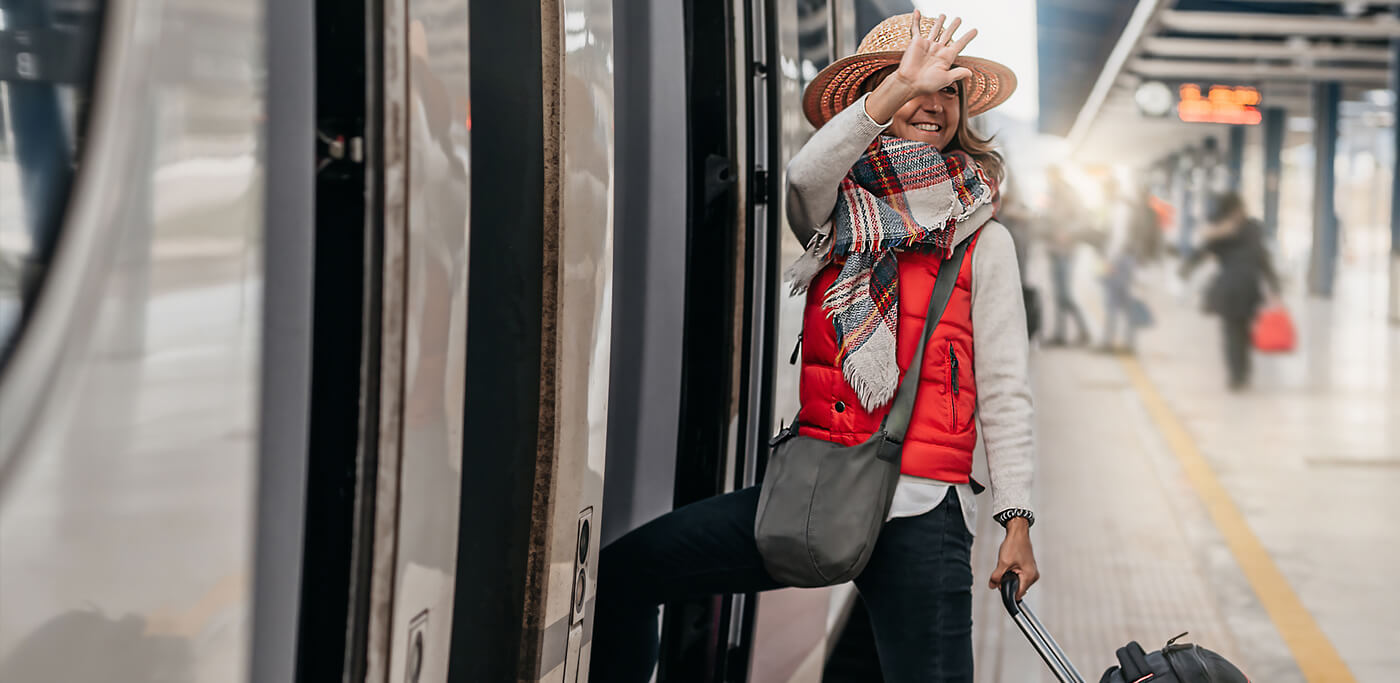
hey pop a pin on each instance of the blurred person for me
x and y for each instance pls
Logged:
(1185, 197)
(1124, 214)
(1216, 173)
(1018, 219)
(1063, 221)
(1208, 177)
(895, 155)
(1237, 243)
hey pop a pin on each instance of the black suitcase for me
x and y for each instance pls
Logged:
(1174, 663)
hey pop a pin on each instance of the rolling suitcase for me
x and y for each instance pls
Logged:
(1174, 663)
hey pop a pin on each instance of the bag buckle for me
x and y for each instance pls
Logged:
(785, 432)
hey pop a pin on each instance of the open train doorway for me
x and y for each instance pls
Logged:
(342, 431)
(691, 339)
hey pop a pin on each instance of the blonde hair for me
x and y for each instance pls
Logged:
(965, 138)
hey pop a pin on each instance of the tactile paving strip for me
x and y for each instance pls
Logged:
(1116, 564)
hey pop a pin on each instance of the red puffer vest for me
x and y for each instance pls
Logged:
(942, 433)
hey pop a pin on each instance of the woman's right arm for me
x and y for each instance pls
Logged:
(815, 172)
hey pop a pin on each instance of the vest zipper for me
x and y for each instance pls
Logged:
(953, 381)
(953, 361)
(792, 360)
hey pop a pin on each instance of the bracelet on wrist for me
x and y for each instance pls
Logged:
(1007, 515)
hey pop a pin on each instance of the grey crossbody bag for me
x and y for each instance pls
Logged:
(822, 504)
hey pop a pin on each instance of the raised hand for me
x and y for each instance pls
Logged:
(927, 64)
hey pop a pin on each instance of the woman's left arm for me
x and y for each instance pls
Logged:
(1001, 366)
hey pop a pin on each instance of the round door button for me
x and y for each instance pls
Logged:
(840, 407)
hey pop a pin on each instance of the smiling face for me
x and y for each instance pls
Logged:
(932, 119)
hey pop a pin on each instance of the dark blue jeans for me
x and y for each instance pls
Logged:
(1061, 282)
(917, 587)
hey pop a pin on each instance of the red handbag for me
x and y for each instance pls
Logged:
(1273, 331)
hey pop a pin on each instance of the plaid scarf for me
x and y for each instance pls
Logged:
(876, 208)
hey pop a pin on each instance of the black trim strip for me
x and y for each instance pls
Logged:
(503, 340)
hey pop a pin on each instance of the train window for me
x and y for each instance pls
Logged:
(46, 53)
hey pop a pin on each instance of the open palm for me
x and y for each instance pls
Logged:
(927, 64)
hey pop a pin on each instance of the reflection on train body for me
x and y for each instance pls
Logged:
(126, 515)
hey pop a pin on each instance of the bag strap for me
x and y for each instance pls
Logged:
(897, 421)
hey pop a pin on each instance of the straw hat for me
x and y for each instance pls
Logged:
(838, 85)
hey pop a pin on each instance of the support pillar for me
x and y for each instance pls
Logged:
(1275, 120)
(1395, 182)
(1322, 268)
(1235, 156)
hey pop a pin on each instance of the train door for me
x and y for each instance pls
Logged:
(388, 340)
(537, 338)
(425, 102)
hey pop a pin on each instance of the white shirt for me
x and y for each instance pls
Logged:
(914, 496)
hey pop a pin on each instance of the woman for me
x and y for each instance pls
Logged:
(1237, 243)
(875, 168)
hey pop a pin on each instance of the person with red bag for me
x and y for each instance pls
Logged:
(1237, 243)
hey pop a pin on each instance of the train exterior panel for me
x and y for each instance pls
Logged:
(129, 422)
(572, 450)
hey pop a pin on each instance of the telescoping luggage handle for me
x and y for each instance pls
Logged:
(1044, 645)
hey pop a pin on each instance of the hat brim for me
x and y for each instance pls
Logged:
(838, 85)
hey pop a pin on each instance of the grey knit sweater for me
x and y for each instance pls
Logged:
(1001, 349)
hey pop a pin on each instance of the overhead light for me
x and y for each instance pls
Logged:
(1381, 97)
(1154, 98)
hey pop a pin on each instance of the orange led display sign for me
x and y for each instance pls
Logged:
(1222, 104)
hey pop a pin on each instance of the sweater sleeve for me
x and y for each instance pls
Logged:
(815, 172)
(1001, 366)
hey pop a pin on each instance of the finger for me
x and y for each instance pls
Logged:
(960, 73)
(936, 35)
(999, 572)
(947, 36)
(962, 42)
(1028, 579)
(914, 25)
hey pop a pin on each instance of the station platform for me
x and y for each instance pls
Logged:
(1261, 522)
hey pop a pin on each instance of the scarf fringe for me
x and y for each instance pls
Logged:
(817, 255)
(873, 373)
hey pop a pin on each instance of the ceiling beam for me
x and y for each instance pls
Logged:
(1181, 69)
(1375, 3)
(1142, 15)
(1246, 23)
(1261, 49)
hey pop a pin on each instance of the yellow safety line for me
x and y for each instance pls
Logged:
(1314, 653)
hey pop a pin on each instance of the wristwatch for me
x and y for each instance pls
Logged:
(1005, 516)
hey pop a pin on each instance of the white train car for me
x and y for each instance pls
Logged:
(336, 337)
